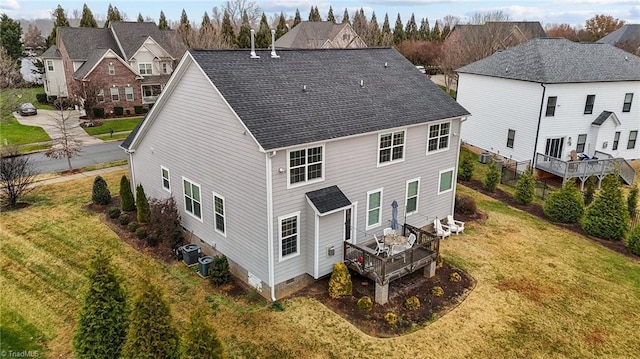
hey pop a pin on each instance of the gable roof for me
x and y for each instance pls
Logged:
(79, 41)
(95, 57)
(603, 116)
(52, 53)
(550, 60)
(628, 32)
(328, 199)
(131, 35)
(309, 35)
(530, 29)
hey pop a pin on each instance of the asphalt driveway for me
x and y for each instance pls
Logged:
(47, 120)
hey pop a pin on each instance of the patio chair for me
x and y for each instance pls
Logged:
(440, 230)
(387, 231)
(380, 246)
(454, 226)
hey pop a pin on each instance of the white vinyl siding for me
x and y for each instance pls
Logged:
(115, 94)
(438, 137)
(128, 93)
(445, 183)
(166, 180)
(413, 193)
(220, 220)
(306, 165)
(374, 208)
(192, 201)
(391, 147)
(288, 236)
(145, 68)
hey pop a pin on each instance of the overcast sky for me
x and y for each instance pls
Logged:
(574, 12)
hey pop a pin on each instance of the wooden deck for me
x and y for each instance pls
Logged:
(604, 165)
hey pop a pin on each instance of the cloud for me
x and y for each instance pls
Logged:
(602, 2)
(10, 5)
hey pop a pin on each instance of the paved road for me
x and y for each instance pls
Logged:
(90, 155)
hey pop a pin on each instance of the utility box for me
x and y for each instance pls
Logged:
(190, 254)
(204, 263)
(484, 157)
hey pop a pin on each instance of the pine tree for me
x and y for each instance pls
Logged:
(101, 193)
(297, 19)
(228, 35)
(360, 23)
(113, 14)
(162, 22)
(492, 178)
(60, 20)
(445, 31)
(565, 205)
(424, 30)
(465, 172)
(411, 30)
(386, 28)
(184, 29)
(282, 28)
(206, 26)
(608, 216)
(525, 188)
(436, 35)
(200, 339)
(127, 202)
(398, 32)
(142, 205)
(102, 322)
(263, 37)
(10, 34)
(151, 333)
(140, 18)
(345, 17)
(87, 18)
(244, 36)
(373, 34)
(330, 16)
(632, 201)
(314, 14)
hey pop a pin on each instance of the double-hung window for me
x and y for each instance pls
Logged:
(413, 190)
(220, 219)
(145, 68)
(633, 136)
(616, 141)
(112, 69)
(438, 137)
(115, 94)
(289, 238)
(628, 98)
(50, 65)
(306, 165)
(588, 106)
(582, 139)
(551, 106)
(445, 183)
(100, 95)
(166, 181)
(128, 93)
(192, 203)
(391, 147)
(374, 207)
(511, 136)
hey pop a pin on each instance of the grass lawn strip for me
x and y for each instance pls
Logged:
(541, 291)
(16, 134)
(117, 126)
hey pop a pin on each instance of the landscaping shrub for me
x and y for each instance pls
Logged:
(493, 176)
(437, 291)
(466, 169)
(219, 273)
(164, 221)
(525, 188)
(465, 205)
(590, 192)
(455, 277)
(118, 110)
(98, 112)
(391, 318)
(340, 282)
(101, 193)
(565, 205)
(151, 240)
(200, 339)
(113, 212)
(141, 233)
(123, 219)
(139, 110)
(607, 217)
(632, 201)
(633, 242)
(127, 203)
(412, 303)
(41, 97)
(132, 226)
(365, 304)
(142, 205)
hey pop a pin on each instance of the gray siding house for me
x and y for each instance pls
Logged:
(274, 160)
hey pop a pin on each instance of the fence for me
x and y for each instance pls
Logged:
(512, 170)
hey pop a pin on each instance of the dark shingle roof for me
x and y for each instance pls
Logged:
(268, 96)
(79, 41)
(628, 32)
(530, 29)
(309, 35)
(127, 141)
(52, 53)
(328, 199)
(92, 59)
(601, 118)
(133, 34)
(559, 61)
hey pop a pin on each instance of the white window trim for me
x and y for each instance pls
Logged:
(111, 94)
(306, 182)
(50, 66)
(297, 253)
(368, 227)
(184, 205)
(100, 94)
(126, 89)
(448, 138)
(404, 148)
(452, 170)
(224, 214)
(163, 168)
(111, 69)
(406, 197)
(145, 68)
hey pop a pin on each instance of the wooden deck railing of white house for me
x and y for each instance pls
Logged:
(604, 165)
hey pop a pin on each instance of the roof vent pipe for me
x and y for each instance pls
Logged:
(273, 44)
(253, 46)
(361, 83)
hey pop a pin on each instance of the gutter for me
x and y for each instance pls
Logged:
(535, 143)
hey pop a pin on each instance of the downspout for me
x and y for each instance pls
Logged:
(270, 260)
(535, 143)
(133, 173)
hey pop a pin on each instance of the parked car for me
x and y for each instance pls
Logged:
(27, 109)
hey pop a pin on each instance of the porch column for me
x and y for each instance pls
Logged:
(382, 293)
(430, 270)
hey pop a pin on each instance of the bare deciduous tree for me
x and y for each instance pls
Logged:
(89, 93)
(562, 30)
(236, 8)
(17, 175)
(65, 144)
(10, 76)
(600, 26)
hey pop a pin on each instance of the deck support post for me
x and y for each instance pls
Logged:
(382, 293)
(430, 270)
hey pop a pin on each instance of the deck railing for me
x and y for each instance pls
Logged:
(605, 164)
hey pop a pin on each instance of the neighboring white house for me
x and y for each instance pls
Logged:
(275, 161)
(54, 80)
(320, 35)
(553, 96)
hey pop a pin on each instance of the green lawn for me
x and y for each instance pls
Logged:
(452, 92)
(126, 124)
(12, 131)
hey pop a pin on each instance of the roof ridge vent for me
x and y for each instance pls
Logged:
(273, 45)
(253, 45)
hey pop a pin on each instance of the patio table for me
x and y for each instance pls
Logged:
(394, 239)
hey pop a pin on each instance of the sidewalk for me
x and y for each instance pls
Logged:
(80, 175)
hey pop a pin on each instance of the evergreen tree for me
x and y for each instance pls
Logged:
(151, 333)
(162, 22)
(445, 31)
(590, 193)
(398, 32)
(87, 18)
(345, 17)
(200, 339)
(206, 26)
(102, 322)
(263, 37)
(184, 29)
(374, 35)
(101, 193)
(465, 172)
(386, 28)
(244, 36)
(424, 31)
(360, 23)
(314, 14)
(282, 28)
(492, 178)
(228, 35)
(60, 19)
(525, 188)
(142, 205)
(632, 201)
(330, 16)
(10, 34)
(436, 35)
(113, 14)
(411, 30)
(607, 217)
(127, 202)
(565, 205)
(140, 18)
(297, 19)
